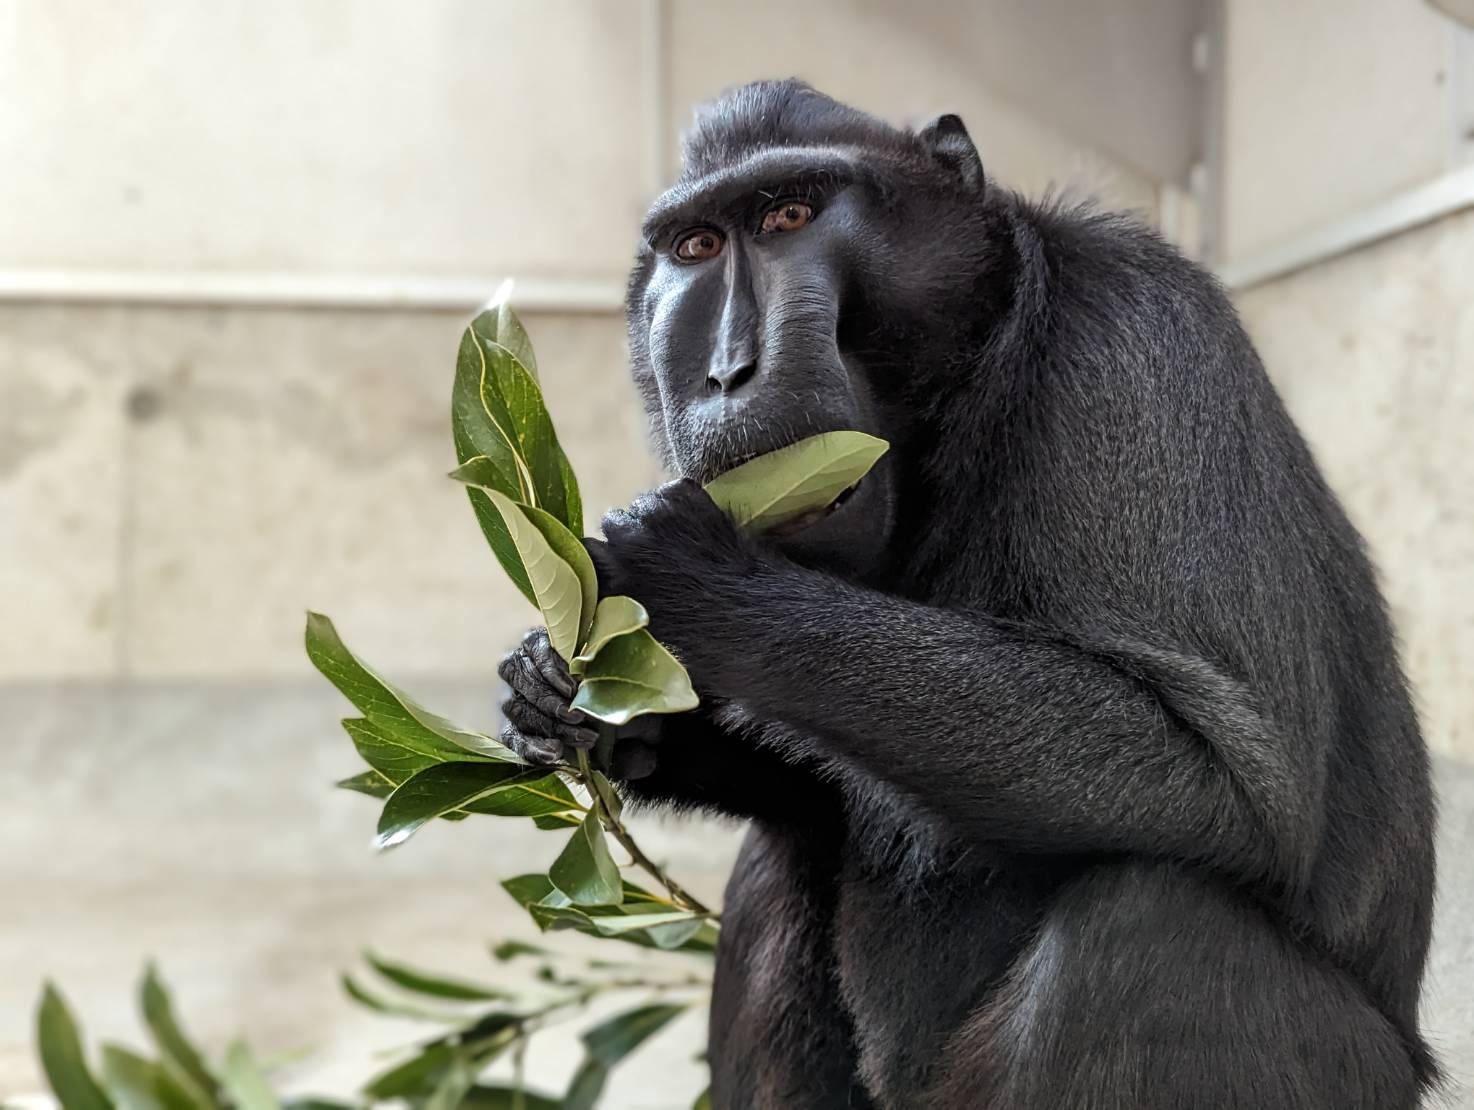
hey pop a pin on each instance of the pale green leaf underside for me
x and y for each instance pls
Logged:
(557, 586)
(243, 1081)
(634, 674)
(781, 485)
(614, 616)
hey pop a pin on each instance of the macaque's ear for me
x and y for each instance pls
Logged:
(950, 144)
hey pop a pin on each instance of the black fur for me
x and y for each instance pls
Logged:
(1081, 768)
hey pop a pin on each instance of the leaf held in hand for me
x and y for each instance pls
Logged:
(633, 674)
(498, 397)
(558, 568)
(466, 787)
(388, 707)
(781, 485)
(584, 871)
(614, 616)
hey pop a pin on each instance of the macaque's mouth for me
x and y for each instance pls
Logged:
(814, 516)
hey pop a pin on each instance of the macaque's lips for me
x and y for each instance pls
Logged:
(813, 516)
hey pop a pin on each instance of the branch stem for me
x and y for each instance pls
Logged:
(609, 818)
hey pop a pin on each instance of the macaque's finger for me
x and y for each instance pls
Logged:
(540, 750)
(549, 663)
(534, 688)
(532, 721)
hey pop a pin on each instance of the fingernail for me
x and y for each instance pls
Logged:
(570, 715)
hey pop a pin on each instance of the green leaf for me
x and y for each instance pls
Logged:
(476, 437)
(425, 982)
(414, 1079)
(394, 1008)
(558, 822)
(368, 782)
(527, 889)
(418, 1077)
(137, 1083)
(454, 1083)
(511, 949)
(498, 788)
(388, 707)
(585, 871)
(634, 674)
(169, 1039)
(703, 1100)
(551, 909)
(511, 408)
(484, 1097)
(244, 1083)
(605, 792)
(613, 616)
(62, 1058)
(611, 1041)
(398, 755)
(500, 323)
(571, 550)
(586, 1085)
(668, 930)
(784, 484)
(561, 573)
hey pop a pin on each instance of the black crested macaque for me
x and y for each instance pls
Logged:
(1080, 768)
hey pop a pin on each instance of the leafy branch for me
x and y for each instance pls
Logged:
(424, 767)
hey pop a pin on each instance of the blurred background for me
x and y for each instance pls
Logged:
(238, 242)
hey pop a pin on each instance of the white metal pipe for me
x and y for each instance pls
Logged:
(416, 291)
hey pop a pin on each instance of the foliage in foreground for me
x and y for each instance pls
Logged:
(424, 767)
(476, 1024)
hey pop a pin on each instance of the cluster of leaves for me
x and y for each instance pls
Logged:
(424, 767)
(479, 1025)
(527, 501)
(177, 1078)
(443, 1071)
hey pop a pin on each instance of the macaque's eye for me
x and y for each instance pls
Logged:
(699, 245)
(790, 215)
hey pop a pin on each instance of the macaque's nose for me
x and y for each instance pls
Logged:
(729, 374)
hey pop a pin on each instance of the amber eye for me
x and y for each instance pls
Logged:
(788, 216)
(698, 245)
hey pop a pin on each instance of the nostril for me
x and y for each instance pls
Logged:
(729, 378)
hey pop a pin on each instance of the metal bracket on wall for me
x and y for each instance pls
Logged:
(1444, 195)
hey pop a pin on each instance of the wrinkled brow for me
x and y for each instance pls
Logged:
(767, 172)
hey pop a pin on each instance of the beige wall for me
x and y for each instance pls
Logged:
(1374, 354)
